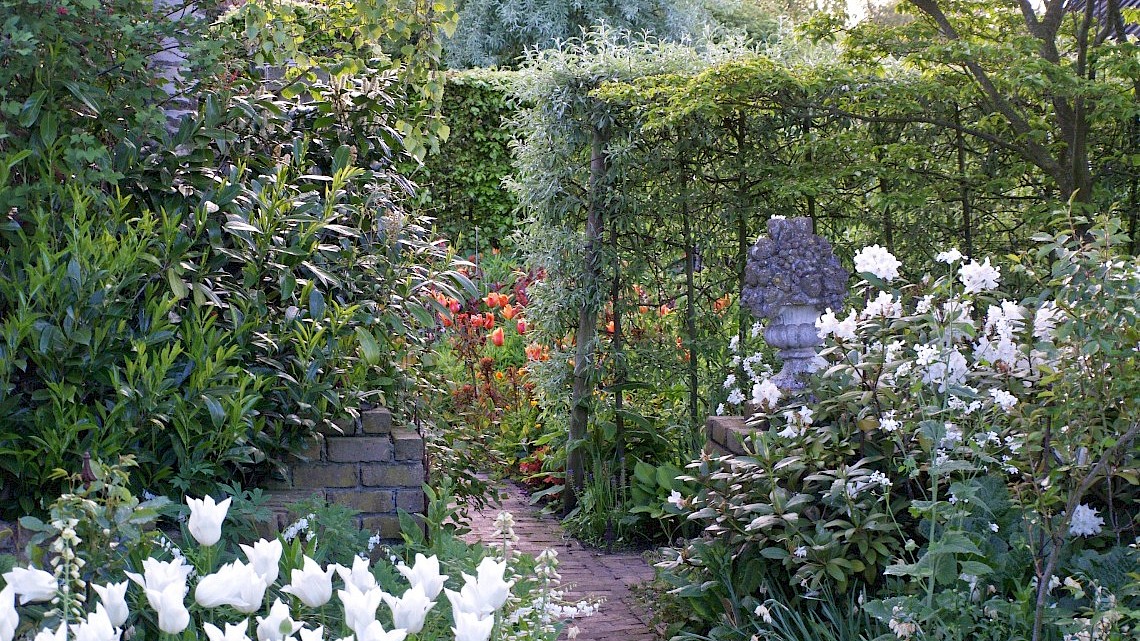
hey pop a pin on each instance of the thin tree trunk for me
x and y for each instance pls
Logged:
(690, 307)
(619, 364)
(583, 389)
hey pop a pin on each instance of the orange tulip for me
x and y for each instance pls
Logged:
(491, 300)
(664, 310)
(642, 309)
(509, 311)
(497, 337)
(488, 320)
(610, 327)
(453, 305)
(521, 326)
(446, 320)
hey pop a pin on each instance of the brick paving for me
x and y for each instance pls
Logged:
(585, 572)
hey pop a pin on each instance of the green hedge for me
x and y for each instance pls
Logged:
(463, 182)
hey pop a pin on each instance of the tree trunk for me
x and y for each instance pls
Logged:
(583, 390)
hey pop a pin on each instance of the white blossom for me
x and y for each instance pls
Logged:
(979, 277)
(949, 256)
(766, 393)
(1085, 521)
(877, 261)
(884, 306)
(1003, 399)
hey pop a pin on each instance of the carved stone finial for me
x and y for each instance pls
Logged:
(792, 275)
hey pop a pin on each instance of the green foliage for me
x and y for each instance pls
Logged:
(234, 284)
(462, 184)
(73, 83)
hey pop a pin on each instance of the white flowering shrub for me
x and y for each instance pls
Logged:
(959, 455)
(272, 590)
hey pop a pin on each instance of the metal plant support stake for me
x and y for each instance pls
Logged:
(791, 277)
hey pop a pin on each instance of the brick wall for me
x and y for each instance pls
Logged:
(371, 467)
(726, 435)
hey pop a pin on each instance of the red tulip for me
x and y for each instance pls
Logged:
(521, 326)
(497, 337)
(488, 320)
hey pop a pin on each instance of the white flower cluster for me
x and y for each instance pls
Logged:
(242, 586)
(1085, 521)
(877, 261)
(979, 277)
(829, 325)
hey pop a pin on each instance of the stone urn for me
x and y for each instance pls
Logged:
(791, 278)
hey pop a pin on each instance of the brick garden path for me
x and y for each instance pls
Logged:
(585, 572)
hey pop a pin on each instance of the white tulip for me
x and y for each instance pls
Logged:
(359, 575)
(159, 574)
(375, 632)
(31, 584)
(409, 611)
(425, 573)
(277, 626)
(313, 635)
(206, 518)
(265, 557)
(485, 593)
(311, 584)
(173, 617)
(359, 607)
(469, 626)
(47, 634)
(9, 618)
(114, 598)
(234, 584)
(234, 632)
(97, 627)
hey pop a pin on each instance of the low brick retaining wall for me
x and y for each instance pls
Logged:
(725, 435)
(370, 467)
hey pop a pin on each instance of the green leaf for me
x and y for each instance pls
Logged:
(31, 108)
(369, 348)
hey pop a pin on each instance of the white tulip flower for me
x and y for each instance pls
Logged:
(47, 634)
(31, 584)
(469, 626)
(265, 557)
(359, 607)
(277, 626)
(409, 611)
(159, 574)
(206, 518)
(9, 618)
(234, 584)
(425, 573)
(359, 575)
(311, 584)
(114, 598)
(376, 632)
(234, 632)
(97, 627)
(173, 617)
